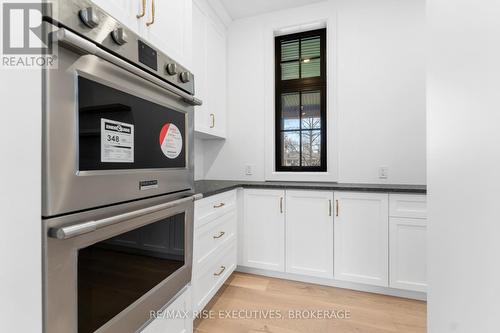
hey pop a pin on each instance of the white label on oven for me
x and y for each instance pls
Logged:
(117, 141)
(170, 140)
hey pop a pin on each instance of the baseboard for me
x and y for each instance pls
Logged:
(421, 296)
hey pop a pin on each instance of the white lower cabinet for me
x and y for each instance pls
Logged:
(264, 229)
(176, 317)
(214, 245)
(374, 239)
(408, 238)
(208, 279)
(361, 238)
(407, 253)
(309, 233)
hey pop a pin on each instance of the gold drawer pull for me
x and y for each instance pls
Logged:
(222, 233)
(219, 205)
(152, 13)
(222, 269)
(143, 10)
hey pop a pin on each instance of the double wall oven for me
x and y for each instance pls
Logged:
(117, 175)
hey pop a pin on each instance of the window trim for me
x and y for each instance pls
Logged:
(300, 85)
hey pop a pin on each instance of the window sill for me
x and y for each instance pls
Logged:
(301, 176)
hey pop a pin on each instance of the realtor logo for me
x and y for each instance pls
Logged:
(24, 41)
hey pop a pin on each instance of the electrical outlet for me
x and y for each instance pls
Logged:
(383, 172)
(249, 169)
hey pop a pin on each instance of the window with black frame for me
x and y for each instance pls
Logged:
(301, 101)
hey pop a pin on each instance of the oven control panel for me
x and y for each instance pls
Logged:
(148, 56)
(94, 24)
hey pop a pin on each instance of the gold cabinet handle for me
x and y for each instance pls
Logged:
(152, 13)
(281, 205)
(222, 269)
(212, 116)
(330, 207)
(143, 10)
(222, 233)
(336, 208)
(219, 205)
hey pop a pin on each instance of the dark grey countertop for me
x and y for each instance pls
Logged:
(211, 187)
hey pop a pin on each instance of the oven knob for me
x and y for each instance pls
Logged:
(185, 77)
(119, 36)
(171, 68)
(89, 17)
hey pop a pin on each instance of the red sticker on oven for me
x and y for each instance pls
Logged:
(170, 140)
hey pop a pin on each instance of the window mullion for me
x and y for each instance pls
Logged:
(300, 127)
(300, 58)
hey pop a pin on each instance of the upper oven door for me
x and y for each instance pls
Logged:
(110, 135)
(118, 130)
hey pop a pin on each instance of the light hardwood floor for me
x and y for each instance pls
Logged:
(369, 313)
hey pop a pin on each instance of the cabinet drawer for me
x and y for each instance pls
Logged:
(210, 237)
(212, 275)
(408, 205)
(208, 209)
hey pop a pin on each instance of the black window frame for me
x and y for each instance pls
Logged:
(300, 85)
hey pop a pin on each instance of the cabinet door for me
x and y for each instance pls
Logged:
(361, 237)
(408, 253)
(209, 68)
(263, 234)
(173, 320)
(309, 233)
(171, 30)
(216, 80)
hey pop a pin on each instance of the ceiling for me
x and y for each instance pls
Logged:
(244, 8)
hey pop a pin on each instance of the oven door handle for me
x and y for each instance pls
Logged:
(90, 226)
(83, 46)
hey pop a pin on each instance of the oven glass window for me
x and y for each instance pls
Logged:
(118, 130)
(114, 273)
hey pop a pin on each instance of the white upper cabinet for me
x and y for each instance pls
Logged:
(209, 68)
(171, 30)
(309, 233)
(216, 80)
(264, 229)
(361, 237)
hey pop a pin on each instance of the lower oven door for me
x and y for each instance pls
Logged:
(108, 274)
(112, 132)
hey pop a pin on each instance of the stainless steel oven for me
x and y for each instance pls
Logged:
(106, 269)
(118, 115)
(118, 180)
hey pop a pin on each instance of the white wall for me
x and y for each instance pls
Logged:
(20, 201)
(199, 165)
(464, 166)
(378, 99)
